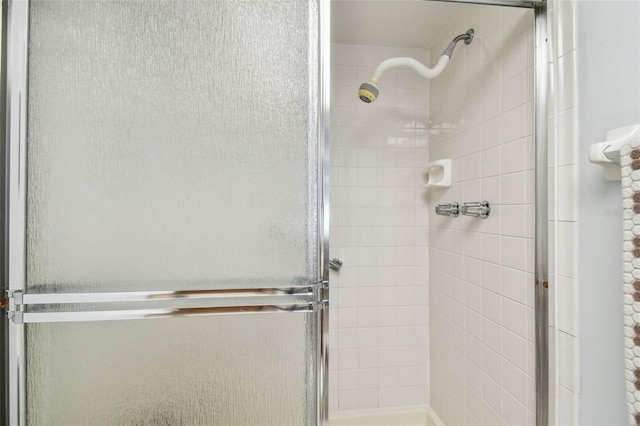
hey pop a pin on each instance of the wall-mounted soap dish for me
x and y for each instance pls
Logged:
(439, 174)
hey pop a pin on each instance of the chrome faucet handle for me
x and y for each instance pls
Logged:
(479, 209)
(451, 209)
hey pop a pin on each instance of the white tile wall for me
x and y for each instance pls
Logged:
(481, 277)
(563, 215)
(379, 229)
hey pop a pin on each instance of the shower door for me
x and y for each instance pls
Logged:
(166, 237)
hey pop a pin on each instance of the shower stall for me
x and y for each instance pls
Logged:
(433, 214)
(169, 185)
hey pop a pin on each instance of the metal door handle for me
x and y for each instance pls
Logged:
(54, 307)
(335, 264)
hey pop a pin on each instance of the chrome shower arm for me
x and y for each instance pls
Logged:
(467, 37)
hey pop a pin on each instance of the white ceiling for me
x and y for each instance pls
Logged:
(394, 23)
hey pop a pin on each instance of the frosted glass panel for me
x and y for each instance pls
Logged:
(169, 143)
(244, 370)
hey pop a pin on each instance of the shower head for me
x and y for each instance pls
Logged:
(368, 92)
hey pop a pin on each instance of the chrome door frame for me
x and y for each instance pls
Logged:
(541, 238)
(324, 99)
(15, 15)
(15, 273)
(4, 379)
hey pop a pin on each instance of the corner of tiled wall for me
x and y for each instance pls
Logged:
(481, 284)
(563, 215)
(379, 228)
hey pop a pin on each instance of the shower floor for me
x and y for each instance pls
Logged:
(402, 416)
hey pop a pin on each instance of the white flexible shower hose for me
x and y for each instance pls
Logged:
(401, 62)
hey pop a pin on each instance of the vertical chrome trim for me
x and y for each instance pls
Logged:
(324, 83)
(159, 313)
(17, 37)
(541, 217)
(4, 325)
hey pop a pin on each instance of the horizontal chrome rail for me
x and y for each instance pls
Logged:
(21, 298)
(57, 307)
(82, 316)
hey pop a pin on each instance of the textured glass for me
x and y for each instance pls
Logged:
(170, 144)
(226, 370)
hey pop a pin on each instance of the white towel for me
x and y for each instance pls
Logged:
(630, 161)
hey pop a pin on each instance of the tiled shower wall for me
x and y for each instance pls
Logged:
(481, 278)
(379, 229)
(563, 215)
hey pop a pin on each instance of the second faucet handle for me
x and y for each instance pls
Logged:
(479, 209)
